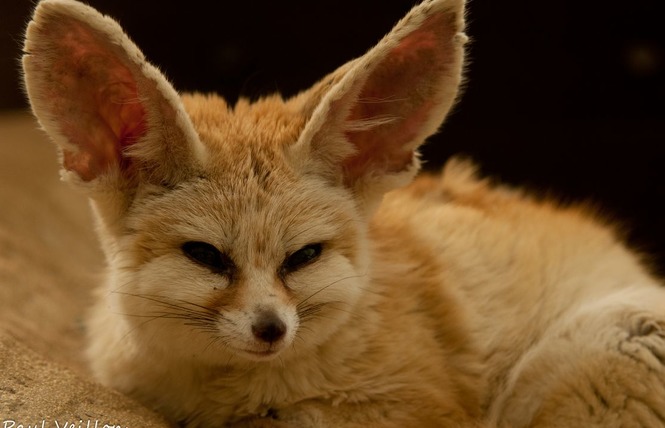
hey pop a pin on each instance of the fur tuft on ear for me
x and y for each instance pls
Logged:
(109, 110)
(383, 105)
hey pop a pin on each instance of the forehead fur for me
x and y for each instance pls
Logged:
(249, 198)
(248, 135)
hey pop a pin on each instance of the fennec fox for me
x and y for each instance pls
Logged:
(264, 269)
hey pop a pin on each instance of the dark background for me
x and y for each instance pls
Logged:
(565, 97)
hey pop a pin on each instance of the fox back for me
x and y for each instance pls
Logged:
(266, 265)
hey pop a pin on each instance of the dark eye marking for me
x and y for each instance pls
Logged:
(209, 256)
(301, 258)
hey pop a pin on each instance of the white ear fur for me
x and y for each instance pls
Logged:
(383, 105)
(111, 112)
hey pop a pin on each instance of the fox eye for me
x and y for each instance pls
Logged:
(208, 256)
(302, 257)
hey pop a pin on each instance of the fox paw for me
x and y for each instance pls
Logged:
(645, 341)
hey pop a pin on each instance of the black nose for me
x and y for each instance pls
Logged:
(269, 327)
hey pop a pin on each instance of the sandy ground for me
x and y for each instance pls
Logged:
(49, 265)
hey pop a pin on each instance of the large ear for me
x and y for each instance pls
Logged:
(111, 112)
(365, 130)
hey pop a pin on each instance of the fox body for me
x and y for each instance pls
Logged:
(269, 263)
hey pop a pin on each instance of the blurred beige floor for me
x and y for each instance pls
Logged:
(49, 264)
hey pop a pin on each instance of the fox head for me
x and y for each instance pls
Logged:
(236, 232)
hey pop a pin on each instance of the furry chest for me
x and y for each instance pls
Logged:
(260, 392)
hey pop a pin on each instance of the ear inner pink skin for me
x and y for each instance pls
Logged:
(98, 98)
(375, 141)
(402, 89)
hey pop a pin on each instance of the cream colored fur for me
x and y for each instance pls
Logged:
(448, 302)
